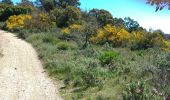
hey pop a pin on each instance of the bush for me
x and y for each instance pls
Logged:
(66, 46)
(23, 33)
(2, 25)
(108, 57)
(139, 91)
(145, 40)
(7, 11)
(40, 22)
(91, 78)
(72, 32)
(114, 35)
(63, 46)
(17, 22)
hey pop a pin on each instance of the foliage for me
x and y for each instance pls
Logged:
(65, 46)
(90, 26)
(138, 91)
(34, 22)
(8, 11)
(39, 22)
(130, 24)
(65, 17)
(111, 34)
(65, 3)
(103, 17)
(2, 24)
(161, 74)
(119, 22)
(108, 57)
(17, 22)
(66, 37)
(139, 40)
(26, 3)
(160, 4)
(82, 71)
(8, 2)
(72, 29)
(73, 15)
(49, 5)
(145, 40)
(58, 16)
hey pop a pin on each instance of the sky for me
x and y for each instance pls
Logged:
(138, 10)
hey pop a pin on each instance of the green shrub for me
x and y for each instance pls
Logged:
(108, 57)
(101, 97)
(63, 46)
(8, 11)
(66, 46)
(91, 78)
(49, 38)
(23, 34)
(139, 91)
(2, 24)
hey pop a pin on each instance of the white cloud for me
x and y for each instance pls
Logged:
(158, 22)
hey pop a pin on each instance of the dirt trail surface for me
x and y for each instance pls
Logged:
(21, 74)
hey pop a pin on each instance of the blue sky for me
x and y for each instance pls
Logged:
(135, 9)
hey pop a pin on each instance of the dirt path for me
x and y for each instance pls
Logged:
(21, 73)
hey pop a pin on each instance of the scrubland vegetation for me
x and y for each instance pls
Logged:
(95, 55)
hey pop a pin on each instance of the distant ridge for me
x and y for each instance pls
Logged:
(166, 36)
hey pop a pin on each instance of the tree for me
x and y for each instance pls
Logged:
(103, 17)
(119, 22)
(9, 2)
(65, 3)
(65, 17)
(160, 4)
(26, 3)
(49, 5)
(130, 24)
(91, 27)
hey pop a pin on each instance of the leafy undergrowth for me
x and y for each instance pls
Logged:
(97, 72)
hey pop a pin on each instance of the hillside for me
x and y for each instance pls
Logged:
(93, 55)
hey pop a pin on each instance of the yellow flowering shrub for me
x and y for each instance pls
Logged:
(72, 29)
(122, 35)
(43, 17)
(161, 42)
(104, 34)
(166, 45)
(65, 31)
(158, 40)
(40, 22)
(76, 27)
(137, 36)
(17, 22)
(109, 33)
